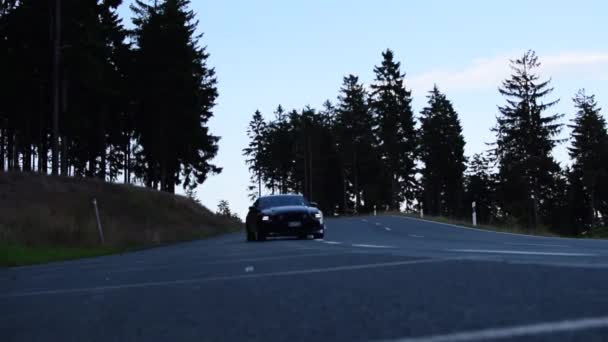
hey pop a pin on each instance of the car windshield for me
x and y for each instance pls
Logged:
(280, 201)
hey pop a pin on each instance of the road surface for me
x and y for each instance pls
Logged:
(378, 278)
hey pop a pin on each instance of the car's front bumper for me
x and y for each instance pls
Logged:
(271, 228)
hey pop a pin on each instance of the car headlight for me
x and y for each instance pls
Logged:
(319, 217)
(265, 218)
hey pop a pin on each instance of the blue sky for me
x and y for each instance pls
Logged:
(295, 53)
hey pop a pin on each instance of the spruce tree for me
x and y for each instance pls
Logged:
(525, 138)
(442, 152)
(255, 151)
(355, 142)
(395, 131)
(589, 153)
(176, 92)
(278, 158)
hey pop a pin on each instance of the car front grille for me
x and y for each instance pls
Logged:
(293, 217)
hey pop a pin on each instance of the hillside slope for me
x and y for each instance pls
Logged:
(40, 210)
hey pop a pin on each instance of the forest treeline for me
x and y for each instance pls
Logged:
(370, 149)
(81, 95)
(84, 96)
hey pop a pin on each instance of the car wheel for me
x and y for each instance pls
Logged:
(249, 236)
(302, 237)
(261, 236)
(319, 236)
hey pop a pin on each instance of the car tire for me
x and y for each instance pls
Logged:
(319, 236)
(249, 236)
(260, 236)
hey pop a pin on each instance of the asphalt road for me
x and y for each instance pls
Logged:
(371, 279)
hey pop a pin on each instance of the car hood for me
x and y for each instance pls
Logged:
(289, 209)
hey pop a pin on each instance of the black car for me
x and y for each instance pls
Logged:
(284, 215)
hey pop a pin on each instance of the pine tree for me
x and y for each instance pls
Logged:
(223, 208)
(24, 27)
(442, 152)
(589, 152)
(355, 142)
(115, 91)
(525, 138)
(395, 131)
(255, 151)
(176, 93)
(328, 170)
(278, 159)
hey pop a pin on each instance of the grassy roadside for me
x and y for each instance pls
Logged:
(45, 218)
(494, 228)
(14, 254)
(19, 255)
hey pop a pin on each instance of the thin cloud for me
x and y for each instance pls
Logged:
(489, 72)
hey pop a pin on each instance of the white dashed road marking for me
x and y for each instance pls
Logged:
(516, 331)
(416, 236)
(387, 228)
(332, 242)
(490, 251)
(370, 246)
(220, 278)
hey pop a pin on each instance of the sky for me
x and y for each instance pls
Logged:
(296, 53)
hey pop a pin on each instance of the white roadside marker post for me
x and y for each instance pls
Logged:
(374, 210)
(99, 229)
(474, 205)
(421, 212)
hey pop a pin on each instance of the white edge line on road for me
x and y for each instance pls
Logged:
(332, 242)
(498, 251)
(223, 278)
(515, 331)
(370, 246)
(475, 229)
(533, 244)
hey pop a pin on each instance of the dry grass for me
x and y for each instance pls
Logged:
(506, 228)
(39, 210)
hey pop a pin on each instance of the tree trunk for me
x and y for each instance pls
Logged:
(15, 153)
(2, 136)
(27, 158)
(64, 156)
(56, 82)
(40, 155)
(592, 206)
(394, 193)
(101, 135)
(344, 193)
(171, 186)
(10, 145)
(259, 184)
(163, 174)
(103, 165)
(356, 181)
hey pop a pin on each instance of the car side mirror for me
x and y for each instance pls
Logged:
(314, 204)
(252, 208)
